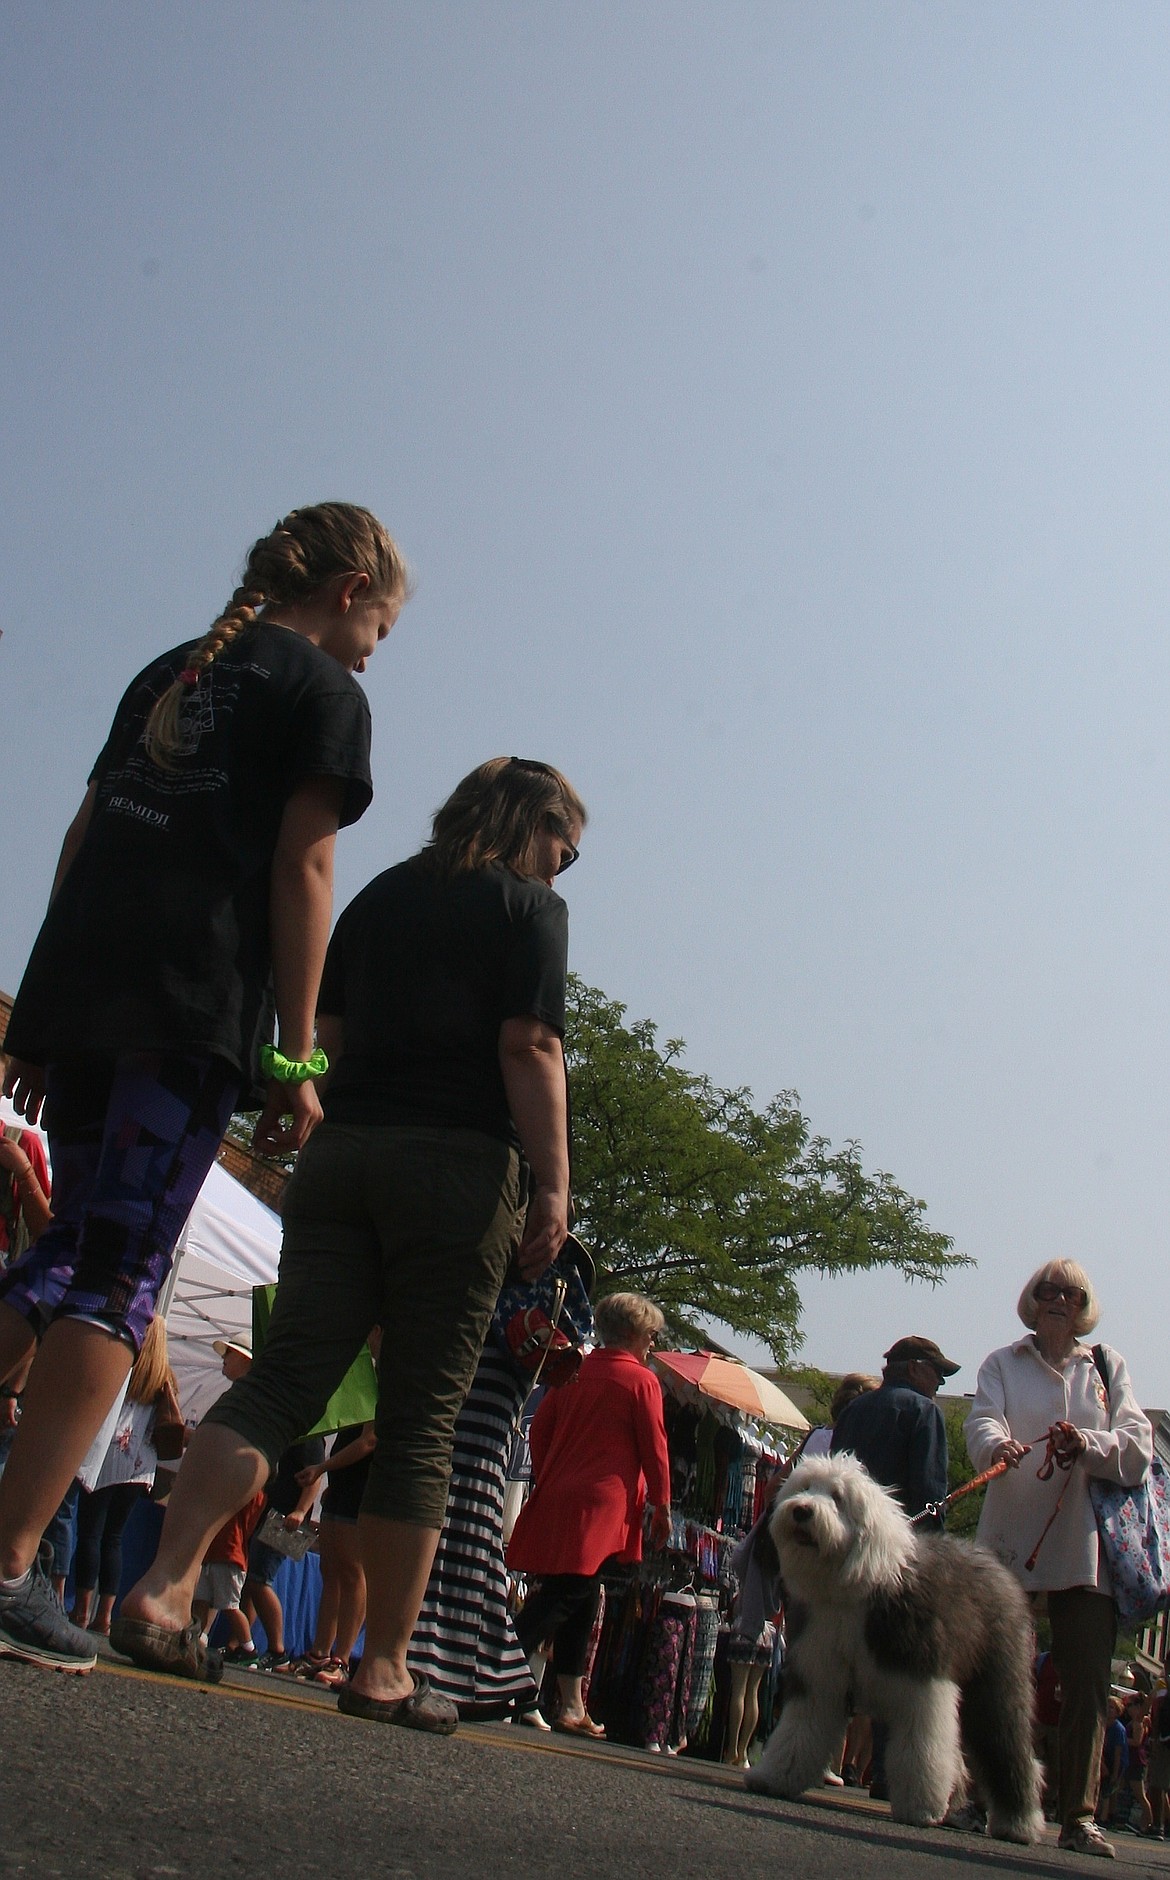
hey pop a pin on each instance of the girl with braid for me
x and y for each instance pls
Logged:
(196, 876)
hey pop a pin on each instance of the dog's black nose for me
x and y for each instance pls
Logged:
(801, 1512)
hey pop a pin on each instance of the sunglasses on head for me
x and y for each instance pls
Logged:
(538, 769)
(1047, 1294)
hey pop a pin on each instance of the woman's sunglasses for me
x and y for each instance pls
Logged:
(546, 770)
(1046, 1294)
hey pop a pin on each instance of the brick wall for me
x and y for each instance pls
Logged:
(266, 1180)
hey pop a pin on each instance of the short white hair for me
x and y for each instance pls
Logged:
(1060, 1273)
(624, 1318)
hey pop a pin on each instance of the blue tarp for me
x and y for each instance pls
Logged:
(297, 1584)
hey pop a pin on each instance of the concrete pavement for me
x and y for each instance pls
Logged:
(132, 1776)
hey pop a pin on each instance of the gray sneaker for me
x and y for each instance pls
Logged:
(33, 1626)
(1085, 1837)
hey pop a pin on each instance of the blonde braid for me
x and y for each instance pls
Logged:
(308, 548)
(162, 735)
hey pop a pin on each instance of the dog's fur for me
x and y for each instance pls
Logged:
(929, 1634)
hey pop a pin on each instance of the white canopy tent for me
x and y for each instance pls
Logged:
(231, 1242)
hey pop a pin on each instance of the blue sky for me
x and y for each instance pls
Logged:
(772, 401)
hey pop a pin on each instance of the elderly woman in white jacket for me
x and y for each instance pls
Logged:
(1049, 1383)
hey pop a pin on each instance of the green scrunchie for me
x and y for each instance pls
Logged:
(292, 1070)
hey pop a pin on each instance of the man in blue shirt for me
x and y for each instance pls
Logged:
(898, 1432)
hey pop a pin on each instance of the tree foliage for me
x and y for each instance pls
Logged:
(821, 1387)
(689, 1193)
(963, 1516)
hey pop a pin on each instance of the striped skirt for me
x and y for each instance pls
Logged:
(464, 1641)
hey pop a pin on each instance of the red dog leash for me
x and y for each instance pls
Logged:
(934, 1509)
(1052, 1461)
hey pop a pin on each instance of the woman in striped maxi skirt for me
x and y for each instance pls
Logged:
(464, 1641)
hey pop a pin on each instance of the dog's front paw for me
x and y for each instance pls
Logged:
(780, 1772)
(1025, 1830)
(911, 1817)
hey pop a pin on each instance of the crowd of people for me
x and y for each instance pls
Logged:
(417, 1070)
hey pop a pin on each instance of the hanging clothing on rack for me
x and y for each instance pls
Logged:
(703, 1662)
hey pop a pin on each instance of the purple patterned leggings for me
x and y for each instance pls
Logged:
(131, 1140)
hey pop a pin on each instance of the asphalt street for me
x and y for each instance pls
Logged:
(125, 1774)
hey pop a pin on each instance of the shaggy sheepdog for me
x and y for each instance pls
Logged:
(929, 1634)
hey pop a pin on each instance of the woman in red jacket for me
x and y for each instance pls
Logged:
(598, 1455)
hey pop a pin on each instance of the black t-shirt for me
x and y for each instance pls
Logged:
(158, 938)
(424, 969)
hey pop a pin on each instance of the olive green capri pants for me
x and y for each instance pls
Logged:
(409, 1229)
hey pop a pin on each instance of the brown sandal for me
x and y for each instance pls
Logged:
(333, 1674)
(580, 1726)
(424, 1709)
(307, 1666)
(157, 1648)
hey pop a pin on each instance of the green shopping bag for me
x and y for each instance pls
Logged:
(356, 1397)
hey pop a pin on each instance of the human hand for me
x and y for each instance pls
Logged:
(300, 1104)
(546, 1228)
(9, 1413)
(1067, 1443)
(1010, 1452)
(659, 1528)
(25, 1084)
(13, 1158)
(293, 1521)
(311, 1473)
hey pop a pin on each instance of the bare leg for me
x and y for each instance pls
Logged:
(351, 1608)
(328, 1612)
(751, 1712)
(220, 1472)
(739, 1675)
(75, 1377)
(569, 1690)
(82, 1600)
(270, 1613)
(239, 1631)
(104, 1615)
(397, 1557)
(858, 1745)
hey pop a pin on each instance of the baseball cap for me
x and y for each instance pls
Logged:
(921, 1350)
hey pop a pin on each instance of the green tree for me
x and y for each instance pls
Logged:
(689, 1193)
(821, 1386)
(963, 1515)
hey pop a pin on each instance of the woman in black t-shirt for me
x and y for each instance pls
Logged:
(199, 864)
(442, 1006)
